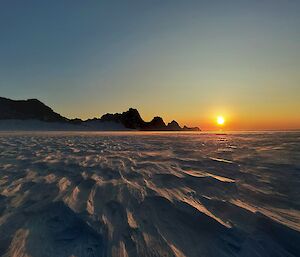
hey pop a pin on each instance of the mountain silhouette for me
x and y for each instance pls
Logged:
(132, 119)
(33, 109)
(28, 109)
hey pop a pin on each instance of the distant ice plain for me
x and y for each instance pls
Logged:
(149, 194)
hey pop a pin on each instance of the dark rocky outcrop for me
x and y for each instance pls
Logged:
(185, 128)
(132, 119)
(173, 125)
(157, 123)
(28, 109)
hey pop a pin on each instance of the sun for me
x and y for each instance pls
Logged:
(220, 120)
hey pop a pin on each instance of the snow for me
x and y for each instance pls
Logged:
(36, 125)
(149, 194)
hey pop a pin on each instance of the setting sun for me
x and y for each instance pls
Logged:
(220, 120)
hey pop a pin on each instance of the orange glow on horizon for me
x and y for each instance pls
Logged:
(234, 119)
(238, 123)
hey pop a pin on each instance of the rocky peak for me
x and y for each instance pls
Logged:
(173, 125)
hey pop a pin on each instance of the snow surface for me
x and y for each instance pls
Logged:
(36, 125)
(149, 194)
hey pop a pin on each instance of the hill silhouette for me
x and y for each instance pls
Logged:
(28, 109)
(33, 109)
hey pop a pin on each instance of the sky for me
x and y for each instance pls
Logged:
(185, 60)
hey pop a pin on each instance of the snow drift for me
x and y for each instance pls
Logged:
(140, 194)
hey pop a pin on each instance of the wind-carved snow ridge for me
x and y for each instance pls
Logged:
(141, 194)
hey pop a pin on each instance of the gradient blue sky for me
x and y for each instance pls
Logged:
(184, 60)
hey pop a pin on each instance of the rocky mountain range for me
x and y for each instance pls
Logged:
(33, 109)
